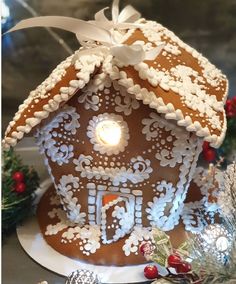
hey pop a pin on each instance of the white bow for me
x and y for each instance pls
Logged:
(99, 33)
(119, 21)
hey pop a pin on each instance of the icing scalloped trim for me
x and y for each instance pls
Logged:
(83, 77)
(157, 103)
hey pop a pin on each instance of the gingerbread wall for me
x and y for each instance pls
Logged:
(150, 168)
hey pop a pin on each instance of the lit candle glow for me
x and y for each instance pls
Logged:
(109, 132)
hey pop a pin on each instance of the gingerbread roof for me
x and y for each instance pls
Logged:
(179, 83)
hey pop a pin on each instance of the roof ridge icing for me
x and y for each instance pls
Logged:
(180, 83)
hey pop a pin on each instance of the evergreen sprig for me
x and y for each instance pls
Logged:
(229, 144)
(16, 206)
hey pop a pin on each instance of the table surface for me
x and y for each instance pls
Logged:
(19, 268)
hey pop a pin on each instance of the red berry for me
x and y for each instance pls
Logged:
(184, 267)
(234, 99)
(151, 272)
(209, 155)
(145, 248)
(228, 103)
(205, 145)
(230, 114)
(174, 260)
(20, 187)
(18, 176)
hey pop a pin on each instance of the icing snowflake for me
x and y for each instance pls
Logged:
(171, 48)
(106, 148)
(59, 153)
(156, 209)
(212, 74)
(194, 94)
(69, 183)
(90, 236)
(87, 236)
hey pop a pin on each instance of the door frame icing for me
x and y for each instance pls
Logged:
(132, 198)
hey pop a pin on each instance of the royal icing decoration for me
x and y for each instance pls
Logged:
(49, 139)
(138, 171)
(66, 188)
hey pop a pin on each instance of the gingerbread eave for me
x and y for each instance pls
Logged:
(179, 83)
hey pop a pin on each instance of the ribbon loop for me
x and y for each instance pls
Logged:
(76, 26)
(128, 15)
(130, 55)
(100, 16)
(115, 11)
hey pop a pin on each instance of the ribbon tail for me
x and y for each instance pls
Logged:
(64, 23)
(76, 26)
(100, 16)
(115, 11)
(129, 55)
(153, 53)
(129, 15)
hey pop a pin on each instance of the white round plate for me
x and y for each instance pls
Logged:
(37, 248)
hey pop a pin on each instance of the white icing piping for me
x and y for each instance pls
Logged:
(156, 103)
(87, 66)
(104, 219)
(115, 175)
(91, 62)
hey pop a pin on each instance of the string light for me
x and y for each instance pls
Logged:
(5, 13)
(217, 240)
(109, 132)
(222, 244)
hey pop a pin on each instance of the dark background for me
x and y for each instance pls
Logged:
(29, 56)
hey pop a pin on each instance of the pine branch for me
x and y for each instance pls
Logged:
(16, 206)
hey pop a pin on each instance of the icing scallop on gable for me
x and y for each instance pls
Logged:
(179, 83)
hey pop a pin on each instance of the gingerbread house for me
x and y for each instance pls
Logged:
(121, 141)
